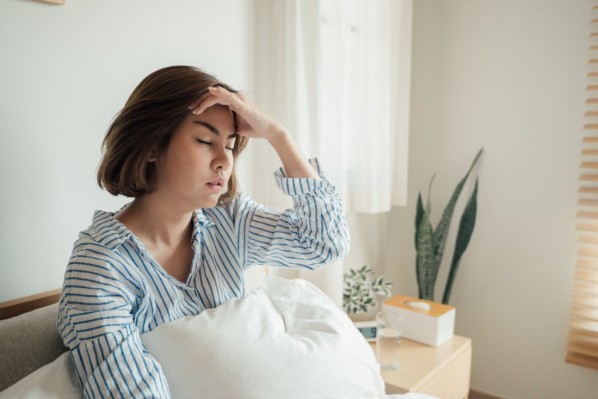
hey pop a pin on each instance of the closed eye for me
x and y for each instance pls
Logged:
(232, 144)
(210, 143)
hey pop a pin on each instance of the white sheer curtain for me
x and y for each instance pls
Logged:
(337, 73)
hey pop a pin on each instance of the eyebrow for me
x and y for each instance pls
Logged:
(213, 130)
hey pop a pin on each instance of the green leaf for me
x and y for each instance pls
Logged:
(426, 269)
(383, 291)
(430, 242)
(419, 213)
(466, 226)
(441, 232)
(359, 289)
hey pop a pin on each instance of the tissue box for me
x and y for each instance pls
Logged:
(427, 322)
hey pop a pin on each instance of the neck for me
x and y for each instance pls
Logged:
(156, 222)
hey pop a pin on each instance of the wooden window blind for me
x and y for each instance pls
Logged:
(582, 347)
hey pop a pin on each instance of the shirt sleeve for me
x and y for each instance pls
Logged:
(309, 235)
(96, 323)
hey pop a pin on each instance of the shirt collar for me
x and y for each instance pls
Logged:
(111, 233)
(200, 220)
(199, 217)
(108, 231)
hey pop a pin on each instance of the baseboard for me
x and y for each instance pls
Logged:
(473, 394)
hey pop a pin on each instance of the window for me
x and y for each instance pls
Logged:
(582, 348)
(337, 75)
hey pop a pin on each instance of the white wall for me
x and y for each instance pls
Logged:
(508, 75)
(64, 73)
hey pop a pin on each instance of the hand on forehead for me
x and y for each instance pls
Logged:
(217, 95)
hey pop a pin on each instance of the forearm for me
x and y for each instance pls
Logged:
(310, 234)
(119, 369)
(97, 323)
(294, 163)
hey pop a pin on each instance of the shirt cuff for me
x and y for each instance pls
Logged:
(303, 185)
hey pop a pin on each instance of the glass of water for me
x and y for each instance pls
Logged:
(388, 335)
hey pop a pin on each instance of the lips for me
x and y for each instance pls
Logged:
(216, 183)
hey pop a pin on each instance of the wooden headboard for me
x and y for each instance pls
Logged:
(25, 304)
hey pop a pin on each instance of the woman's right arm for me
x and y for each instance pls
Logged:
(96, 323)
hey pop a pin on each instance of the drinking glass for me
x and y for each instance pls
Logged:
(387, 339)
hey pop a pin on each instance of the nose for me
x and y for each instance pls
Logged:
(222, 160)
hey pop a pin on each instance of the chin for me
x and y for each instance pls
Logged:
(209, 202)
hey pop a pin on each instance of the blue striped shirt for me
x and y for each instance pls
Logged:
(114, 289)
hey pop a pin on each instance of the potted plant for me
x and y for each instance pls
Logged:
(361, 293)
(430, 242)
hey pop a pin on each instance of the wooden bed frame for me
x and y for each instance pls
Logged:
(25, 304)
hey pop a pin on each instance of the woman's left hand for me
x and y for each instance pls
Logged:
(251, 121)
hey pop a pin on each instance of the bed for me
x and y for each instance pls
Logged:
(284, 340)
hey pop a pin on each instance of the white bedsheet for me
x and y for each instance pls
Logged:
(286, 340)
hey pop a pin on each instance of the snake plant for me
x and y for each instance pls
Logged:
(430, 242)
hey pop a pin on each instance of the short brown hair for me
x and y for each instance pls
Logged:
(153, 112)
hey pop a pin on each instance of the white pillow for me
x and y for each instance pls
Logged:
(57, 380)
(286, 340)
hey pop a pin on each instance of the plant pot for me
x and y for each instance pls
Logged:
(365, 316)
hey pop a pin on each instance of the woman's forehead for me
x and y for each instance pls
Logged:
(218, 117)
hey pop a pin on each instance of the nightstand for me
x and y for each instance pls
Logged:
(443, 371)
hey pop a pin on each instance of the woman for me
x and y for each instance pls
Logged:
(183, 243)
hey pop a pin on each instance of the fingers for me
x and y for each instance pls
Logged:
(199, 107)
(250, 121)
(219, 95)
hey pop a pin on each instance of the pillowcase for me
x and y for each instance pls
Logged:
(57, 380)
(286, 340)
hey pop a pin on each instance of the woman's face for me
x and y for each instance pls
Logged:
(194, 169)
